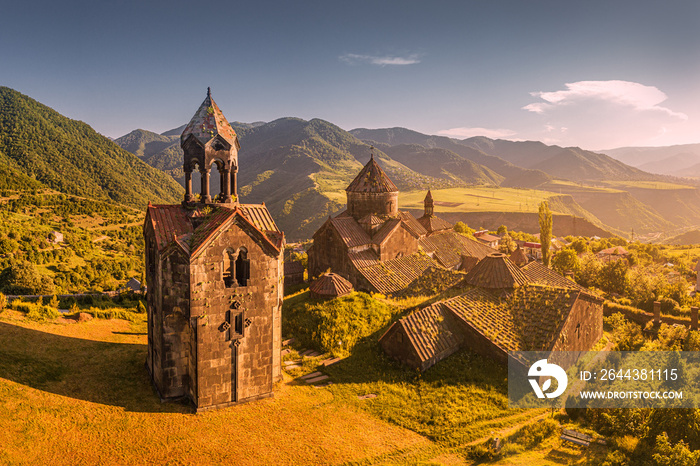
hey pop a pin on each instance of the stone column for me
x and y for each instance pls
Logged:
(206, 197)
(221, 185)
(226, 186)
(693, 318)
(188, 187)
(234, 182)
(657, 312)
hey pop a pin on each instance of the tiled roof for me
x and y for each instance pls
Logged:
(432, 223)
(540, 311)
(293, 267)
(207, 122)
(370, 219)
(449, 246)
(396, 274)
(364, 258)
(350, 231)
(386, 230)
(412, 224)
(259, 216)
(169, 222)
(487, 314)
(496, 271)
(518, 257)
(528, 320)
(468, 263)
(541, 275)
(487, 238)
(431, 332)
(615, 251)
(372, 179)
(172, 225)
(330, 285)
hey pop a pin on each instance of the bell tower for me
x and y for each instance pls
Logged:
(209, 139)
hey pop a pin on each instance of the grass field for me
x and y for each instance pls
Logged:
(78, 393)
(645, 185)
(477, 198)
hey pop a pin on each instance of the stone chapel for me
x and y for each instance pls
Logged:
(214, 275)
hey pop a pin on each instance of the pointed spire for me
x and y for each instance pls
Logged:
(209, 122)
(372, 179)
(371, 152)
(428, 205)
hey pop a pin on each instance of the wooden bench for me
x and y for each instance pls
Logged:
(576, 437)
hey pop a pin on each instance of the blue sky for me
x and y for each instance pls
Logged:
(597, 74)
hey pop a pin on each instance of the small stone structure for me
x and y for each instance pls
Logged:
(214, 276)
(329, 286)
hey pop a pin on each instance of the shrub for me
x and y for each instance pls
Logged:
(532, 435)
(338, 324)
(34, 311)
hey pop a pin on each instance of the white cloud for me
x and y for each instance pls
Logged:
(471, 132)
(603, 114)
(624, 93)
(354, 59)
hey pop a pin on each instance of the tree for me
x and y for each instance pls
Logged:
(566, 261)
(502, 230)
(545, 231)
(23, 278)
(461, 227)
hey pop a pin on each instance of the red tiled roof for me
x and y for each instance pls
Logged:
(488, 238)
(330, 285)
(432, 223)
(412, 224)
(449, 246)
(496, 271)
(372, 179)
(350, 231)
(207, 122)
(169, 222)
(396, 274)
(172, 225)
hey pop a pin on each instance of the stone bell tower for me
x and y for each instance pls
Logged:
(215, 281)
(209, 139)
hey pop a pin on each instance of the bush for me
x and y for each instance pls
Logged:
(338, 324)
(34, 311)
(532, 435)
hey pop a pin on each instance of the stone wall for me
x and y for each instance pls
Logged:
(362, 204)
(399, 243)
(238, 327)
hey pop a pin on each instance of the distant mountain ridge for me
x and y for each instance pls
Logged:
(679, 160)
(570, 163)
(70, 157)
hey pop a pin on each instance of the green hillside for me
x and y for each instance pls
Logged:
(441, 163)
(70, 157)
(301, 168)
(514, 175)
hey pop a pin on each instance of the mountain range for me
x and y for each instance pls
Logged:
(300, 169)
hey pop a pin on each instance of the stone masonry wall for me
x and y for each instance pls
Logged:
(234, 367)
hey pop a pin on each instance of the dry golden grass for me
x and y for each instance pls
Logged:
(78, 393)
